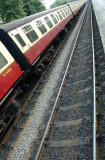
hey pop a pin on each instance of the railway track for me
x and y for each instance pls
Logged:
(27, 142)
(71, 129)
(60, 119)
(25, 113)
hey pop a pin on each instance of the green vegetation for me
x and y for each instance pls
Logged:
(33, 6)
(60, 2)
(11, 10)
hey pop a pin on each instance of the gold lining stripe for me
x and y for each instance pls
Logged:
(7, 67)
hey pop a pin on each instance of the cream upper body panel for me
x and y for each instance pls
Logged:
(21, 36)
(74, 5)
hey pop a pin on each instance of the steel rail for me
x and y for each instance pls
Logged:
(46, 133)
(94, 97)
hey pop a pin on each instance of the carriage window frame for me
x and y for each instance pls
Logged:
(30, 33)
(48, 22)
(5, 61)
(54, 18)
(63, 13)
(59, 14)
(67, 11)
(41, 26)
(20, 40)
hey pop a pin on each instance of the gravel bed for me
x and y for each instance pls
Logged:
(76, 102)
(84, 153)
(76, 98)
(72, 114)
(71, 132)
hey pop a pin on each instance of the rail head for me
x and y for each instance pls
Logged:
(94, 96)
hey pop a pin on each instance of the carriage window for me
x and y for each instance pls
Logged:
(20, 40)
(57, 16)
(3, 61)
(67, 10)
(41, 26)
(27, 28)
(49, 23)
(30, 33)
(60, 15)
(54, 19)
(63, 13)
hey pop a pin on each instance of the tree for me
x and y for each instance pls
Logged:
(11, 10)
(60, 2)
(33, 6)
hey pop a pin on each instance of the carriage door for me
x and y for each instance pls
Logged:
(20, 39)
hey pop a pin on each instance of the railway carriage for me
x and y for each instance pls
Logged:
(76, 6)
(23, 41)
(9, 70)
(33, 37)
